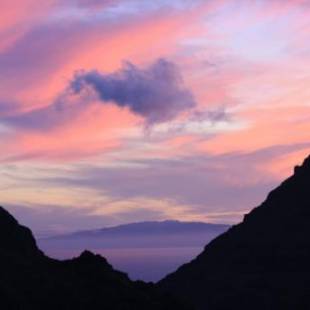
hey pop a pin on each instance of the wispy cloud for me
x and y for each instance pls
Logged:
(223, 86)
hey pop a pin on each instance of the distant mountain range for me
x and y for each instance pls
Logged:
(152, 227)
(143, 234)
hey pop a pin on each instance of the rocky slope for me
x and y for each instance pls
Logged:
(31, 280)
(262, 263)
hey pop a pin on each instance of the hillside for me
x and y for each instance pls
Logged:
(31, 280)
(262, 263)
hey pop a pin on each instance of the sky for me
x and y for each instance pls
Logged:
(117, 111)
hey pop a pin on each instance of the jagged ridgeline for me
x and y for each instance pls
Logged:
(31, 280)
(262, 263)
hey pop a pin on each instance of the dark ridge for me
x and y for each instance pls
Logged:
(31, 280)
(260, 264)
(15, 238)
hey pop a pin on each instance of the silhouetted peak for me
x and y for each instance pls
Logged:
(6, 218)
(304, 168)
(15, 238)
(288, 202)
(89, 258)
(87, 255)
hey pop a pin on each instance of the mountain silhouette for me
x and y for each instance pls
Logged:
(262, 263)
(31, 280)
(145, 250)
(141, 234)
(150, 227)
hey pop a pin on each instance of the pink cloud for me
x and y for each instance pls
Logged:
(249, 57)
(98, 129)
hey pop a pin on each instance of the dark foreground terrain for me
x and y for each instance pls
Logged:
(262, 263)
(31, 280)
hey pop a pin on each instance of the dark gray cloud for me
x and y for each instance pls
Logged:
(45, 118)
(156, 93)
(219, 114)
(93, 3)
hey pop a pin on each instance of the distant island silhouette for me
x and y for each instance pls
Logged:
(259, 264)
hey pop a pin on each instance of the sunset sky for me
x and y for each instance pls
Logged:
(117, 111)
